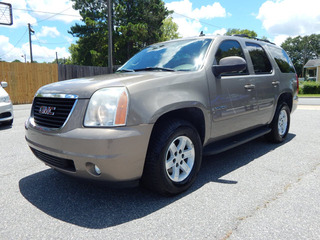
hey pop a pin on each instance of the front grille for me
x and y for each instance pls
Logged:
(51, 112)
(62, 163)
(5, 115)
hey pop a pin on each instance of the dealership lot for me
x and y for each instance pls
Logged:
(255, 191)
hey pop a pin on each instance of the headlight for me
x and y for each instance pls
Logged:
(107, 108)
(5, 99)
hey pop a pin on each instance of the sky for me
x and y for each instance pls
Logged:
(51, 20)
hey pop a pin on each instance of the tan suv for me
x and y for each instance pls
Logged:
(173, 102)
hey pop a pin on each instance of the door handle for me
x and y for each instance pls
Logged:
(275, 83)
(249, 87)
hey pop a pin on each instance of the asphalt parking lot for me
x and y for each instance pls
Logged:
(256, 191)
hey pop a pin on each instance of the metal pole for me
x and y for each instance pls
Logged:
(30, 42)
(57, 57)
(110, 44)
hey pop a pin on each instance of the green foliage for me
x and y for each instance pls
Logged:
(233, 31)
(310, 88)
(60, 61)
(169, 30)
(301, 50)
(136, 24)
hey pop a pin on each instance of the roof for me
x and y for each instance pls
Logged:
(312, 63)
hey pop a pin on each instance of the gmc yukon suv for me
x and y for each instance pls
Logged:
(173, 102)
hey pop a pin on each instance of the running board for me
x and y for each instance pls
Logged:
(228, 143)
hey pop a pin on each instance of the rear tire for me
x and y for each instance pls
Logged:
(280, 124)
(173, 158)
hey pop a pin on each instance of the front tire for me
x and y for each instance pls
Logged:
(280, 124)
(173, 158)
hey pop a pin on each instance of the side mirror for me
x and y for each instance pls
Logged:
(4, 84)
(228, 65)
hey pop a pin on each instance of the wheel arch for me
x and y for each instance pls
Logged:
(194, 115)
(286, 97)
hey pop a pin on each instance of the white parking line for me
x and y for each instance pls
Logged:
(308, 107)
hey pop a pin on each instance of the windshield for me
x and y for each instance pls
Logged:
(184, 55)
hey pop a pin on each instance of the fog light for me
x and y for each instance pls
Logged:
(97, 169)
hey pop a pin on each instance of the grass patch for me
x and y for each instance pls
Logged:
(309, 95)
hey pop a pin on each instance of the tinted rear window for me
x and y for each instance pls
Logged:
(282, 59)
(260, 60)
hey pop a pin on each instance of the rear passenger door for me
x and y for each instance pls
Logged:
(266, 83)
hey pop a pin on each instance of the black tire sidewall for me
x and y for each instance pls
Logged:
(154, 174)
(274, 136)
(183, 185)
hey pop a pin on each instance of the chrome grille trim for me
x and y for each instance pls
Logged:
(65, 104)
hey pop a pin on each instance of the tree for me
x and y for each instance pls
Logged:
(137, 23)
(233, 31)
(91, 48)
(301, 50)
(16, 60)
(169, 29)
(60, 61)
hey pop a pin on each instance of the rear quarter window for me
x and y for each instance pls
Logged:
(282, 59)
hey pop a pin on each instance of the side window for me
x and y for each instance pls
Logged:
(230, 48)
(260, 60)
(282, 59)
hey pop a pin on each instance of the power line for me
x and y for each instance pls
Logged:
(209, 24)
(48, 55)
(59, 13)
(52, 13)
(55, 14)
(45, 43)
(15, 44)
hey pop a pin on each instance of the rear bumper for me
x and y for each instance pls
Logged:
(294, 103)
(119, 153)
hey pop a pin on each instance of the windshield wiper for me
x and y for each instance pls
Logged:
(125, 70)
(155, 69)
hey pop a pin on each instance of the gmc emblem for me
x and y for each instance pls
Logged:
(47, 110)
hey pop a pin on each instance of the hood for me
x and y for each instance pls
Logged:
(85, 87)
(3, 92)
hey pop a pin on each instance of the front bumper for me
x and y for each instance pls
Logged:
(118, 152)
(6, 112)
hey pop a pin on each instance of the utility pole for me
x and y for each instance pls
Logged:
(57, 57)
(30, 43)
(110, 30)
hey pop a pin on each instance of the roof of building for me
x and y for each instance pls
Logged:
(312, 63)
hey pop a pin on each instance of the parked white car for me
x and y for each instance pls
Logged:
(6, 108)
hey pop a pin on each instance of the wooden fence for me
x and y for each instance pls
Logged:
(24, 79)
(74, 71)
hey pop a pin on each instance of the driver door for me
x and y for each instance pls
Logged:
(234, 102)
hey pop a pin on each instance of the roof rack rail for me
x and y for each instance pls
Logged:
(258, 39)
